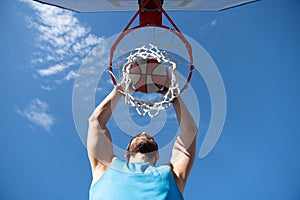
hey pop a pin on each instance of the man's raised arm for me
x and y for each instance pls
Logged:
(183, 153)
(99, 144)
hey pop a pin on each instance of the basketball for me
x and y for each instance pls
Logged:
(148, 75)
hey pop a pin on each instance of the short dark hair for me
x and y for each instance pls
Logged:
(145, 144)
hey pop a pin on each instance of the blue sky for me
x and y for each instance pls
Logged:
(256, 48)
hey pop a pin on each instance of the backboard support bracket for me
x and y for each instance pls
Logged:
(150, 13)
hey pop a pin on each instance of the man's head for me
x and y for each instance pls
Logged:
(142, 147)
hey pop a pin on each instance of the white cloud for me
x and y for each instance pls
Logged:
(61, 41)
(213, 22)
(36, 113)
(48, 88)
(37, 61)
(52, 70)
(70, 75)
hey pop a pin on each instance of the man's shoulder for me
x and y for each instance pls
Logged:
(101, 168)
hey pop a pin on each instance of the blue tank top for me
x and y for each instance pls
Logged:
(135, 181)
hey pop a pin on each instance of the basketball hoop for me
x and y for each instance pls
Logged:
(151, 40)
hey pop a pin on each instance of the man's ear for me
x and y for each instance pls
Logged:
(157, 156)
(127, 154)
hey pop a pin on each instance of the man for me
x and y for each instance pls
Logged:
(138, 178)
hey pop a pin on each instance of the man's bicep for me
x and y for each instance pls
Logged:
(182, 160)
(99, 145)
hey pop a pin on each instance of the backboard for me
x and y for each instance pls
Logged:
(132, 5)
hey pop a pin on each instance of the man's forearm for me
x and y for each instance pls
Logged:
(103, 111)
(185, 119)
(186, 139)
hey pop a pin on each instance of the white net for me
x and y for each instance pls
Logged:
(150, 52)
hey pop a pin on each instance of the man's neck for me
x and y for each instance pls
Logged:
(139, 157)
